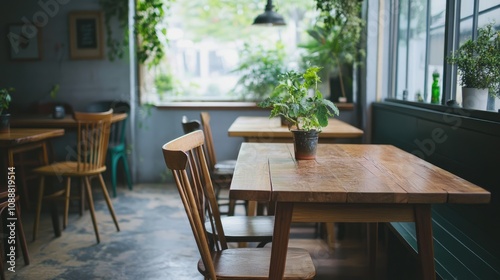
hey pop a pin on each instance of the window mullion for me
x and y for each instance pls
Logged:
(451, 33)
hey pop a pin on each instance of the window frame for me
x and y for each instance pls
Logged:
(451, 43)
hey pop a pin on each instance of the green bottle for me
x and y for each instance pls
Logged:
(435, 88)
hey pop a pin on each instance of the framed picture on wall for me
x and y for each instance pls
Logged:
(86, 35)
(24, 41)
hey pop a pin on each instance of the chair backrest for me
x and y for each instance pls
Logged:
(205, 122)
(93, 139)
(118, 129)
(185, 157)
(190, 125)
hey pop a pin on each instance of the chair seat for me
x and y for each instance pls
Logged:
(253, 263)
(68, 168)
(116, 147)
(225, 167)
(247, 228)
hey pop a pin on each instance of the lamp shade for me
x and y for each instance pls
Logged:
(269, 17)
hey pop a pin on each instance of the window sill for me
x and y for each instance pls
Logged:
(484, 115)
(231, 105)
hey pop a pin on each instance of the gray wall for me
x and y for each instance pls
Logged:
(81, 81)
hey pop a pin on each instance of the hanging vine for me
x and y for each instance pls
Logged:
(148, 26)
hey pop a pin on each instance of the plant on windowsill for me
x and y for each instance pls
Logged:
(4, 104)
(298, 100)
(478, 63)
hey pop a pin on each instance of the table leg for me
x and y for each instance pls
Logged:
(282, 222)
(372, 248)
(423, 224)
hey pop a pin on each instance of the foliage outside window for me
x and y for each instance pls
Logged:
(215, 54)
(149, 28)
(259, 69)
(335, 41)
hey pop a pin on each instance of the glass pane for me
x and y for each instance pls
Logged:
(491, 16)
(486, 4)
(417, 49)
(402, 48)
(466, 8)
(465, 30)
(436, 58)
(438, 13)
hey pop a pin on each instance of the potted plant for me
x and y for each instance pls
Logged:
(478, 63)
(298, 100)
(4, 104)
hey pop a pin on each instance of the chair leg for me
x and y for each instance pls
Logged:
(82, 197)
(22, 237)
(108, 201)
(127, 171)
(38, 206)
(90, 201)
(114, 166)
(66, 202)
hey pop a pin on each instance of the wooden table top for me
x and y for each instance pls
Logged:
(346, 173)
(268, 128)
(47, 121)
(18, 136)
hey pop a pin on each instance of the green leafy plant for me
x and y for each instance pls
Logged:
(336, 37)
(478, 61)
(5, 98)
(259, 69)
(293, 101)
(148, 28)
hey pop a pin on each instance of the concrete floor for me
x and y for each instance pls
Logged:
(155, 242)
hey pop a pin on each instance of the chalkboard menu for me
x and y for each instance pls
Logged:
(86, 34)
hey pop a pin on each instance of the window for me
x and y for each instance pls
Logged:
(423, 27)
(206, 40)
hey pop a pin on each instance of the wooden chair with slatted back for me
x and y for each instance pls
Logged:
(222, 172)
(92, 143)
(185, 157)
(220, 181)
(117, 148)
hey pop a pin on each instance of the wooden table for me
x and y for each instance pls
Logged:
(19, 140)
(348, 183)
(24, 139)
(47, 121)
(265, 129)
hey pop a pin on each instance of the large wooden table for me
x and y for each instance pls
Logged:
(265, 129)
(47, 121)
(348, 183)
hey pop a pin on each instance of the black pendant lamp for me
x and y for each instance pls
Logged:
(269, 17)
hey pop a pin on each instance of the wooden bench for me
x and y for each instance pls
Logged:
(461, 250)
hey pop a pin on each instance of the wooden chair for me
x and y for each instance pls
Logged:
(220, 181)
(185, 157)
(93, 136)
(21, 238)
(117, 148)
(222, 172)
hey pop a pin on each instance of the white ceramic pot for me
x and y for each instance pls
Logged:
(474, 98)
